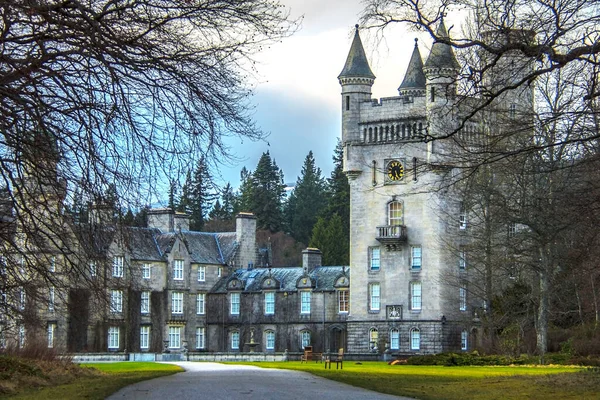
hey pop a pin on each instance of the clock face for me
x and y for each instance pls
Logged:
(395, 170)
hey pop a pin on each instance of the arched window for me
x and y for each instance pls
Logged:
(395, 339)
(304, 339)
(370, 134)
(415, 339)
(395, 213)
(373, 339)
(270, 339)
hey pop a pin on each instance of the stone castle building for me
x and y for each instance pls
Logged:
(167, 289)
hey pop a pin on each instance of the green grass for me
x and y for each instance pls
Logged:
(104, 380)
(437, 382)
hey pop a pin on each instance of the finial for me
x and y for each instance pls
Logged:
(416, 42)
(356, 26)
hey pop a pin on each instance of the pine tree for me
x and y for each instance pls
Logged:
(329, 237)
(264, 194)
(172, 194)
(307, 201)
(201, 195)
(339, 189)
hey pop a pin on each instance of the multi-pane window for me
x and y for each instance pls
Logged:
(395, 213)
(234, 303)
(52, 267)
(201, 273)
(512, 229)
(305, 338)
(375, 259)
(50, 334)
(305, 302)
(93, 269)
(512, 110)
(21, 336)
(343, 301)
(51, 299)
(177, 303)
(146, 271)
(144, 337)
(462, 260)
(145, 302)
(269, 302)
(200, 303)
(174, 337)
(22, 299)
(200, 338)
(374, 297)
(117, 267)
(113, 337)
(462, 220)
(464, 340)
(116, 300)
(415, 339)
(395, 339)
(178, 270)
(270, 335)
(416, 257)
(235, 340)
(415, 295)
(373, 338)
(462, 292)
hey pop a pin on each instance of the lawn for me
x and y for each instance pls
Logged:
(437, 382)
(102, 380)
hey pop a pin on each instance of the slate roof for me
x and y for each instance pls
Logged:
(414, 77)
(442, 55)
(204, 247)
(356, 62)
(324, 277)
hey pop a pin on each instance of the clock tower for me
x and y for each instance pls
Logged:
(397, 257)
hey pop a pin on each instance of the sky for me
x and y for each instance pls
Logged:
(297, 96)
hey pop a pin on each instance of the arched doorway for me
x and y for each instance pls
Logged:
(337, 338)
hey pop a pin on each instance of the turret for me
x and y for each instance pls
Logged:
(414, 81)
(356, 80)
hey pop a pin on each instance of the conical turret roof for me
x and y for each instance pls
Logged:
(356, 63)
(442, 55)
(414, 77)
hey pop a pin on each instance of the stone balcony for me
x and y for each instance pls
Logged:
(392, 236)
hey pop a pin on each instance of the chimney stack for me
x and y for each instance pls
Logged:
(311, 258)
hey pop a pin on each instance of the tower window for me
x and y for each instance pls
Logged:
(432, 93)
(347, 103)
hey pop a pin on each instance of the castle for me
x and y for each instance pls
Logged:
(171, 290)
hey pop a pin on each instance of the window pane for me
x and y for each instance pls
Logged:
(200, 303)
(144, 337)
(200, 338)
(178, 270)
(395, 213)
(145, 303)
(416, 257)
(375, 258)
(235, 340)
(395, 339)
(270, 340)
(269, 303)
(415, 289)
(305, 300)
(374, 297)
(415, 339)
(201, 273)
(235, 303)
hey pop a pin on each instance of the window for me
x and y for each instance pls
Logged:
(117, 268)
(116, 300)
(416, 257)
(200, 338)
(201, 273)
(462, 220)
(178, 270)
(343, 301)
(200, 303)
(51, 330)
(51, 299)
(219, 272)
(395, 213)
(270, 340)
(415, 339)
(512, 229)
(177, 303)
(375, 259)
(22, 299)
(463, 299)
(432, 94)
(373, 339)
(374, 296)
(144, 337)
(464, 340)
(52, 267)
(235, 340)
(269, 302)
(305, 302)
(347, 103)
(305, 338)
(113, 337)
(395, 339)
(174, 337)
(21, 336)
(93, 269)
(462, 260)
(235, 304)
(415, 295)
(145, 303)
(512, 110)
(146, 271)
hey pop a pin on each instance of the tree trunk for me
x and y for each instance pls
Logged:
(542, 317)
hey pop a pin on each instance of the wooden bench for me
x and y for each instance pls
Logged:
(307, 354)
(338, 360)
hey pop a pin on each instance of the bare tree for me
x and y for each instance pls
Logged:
(98, 94)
